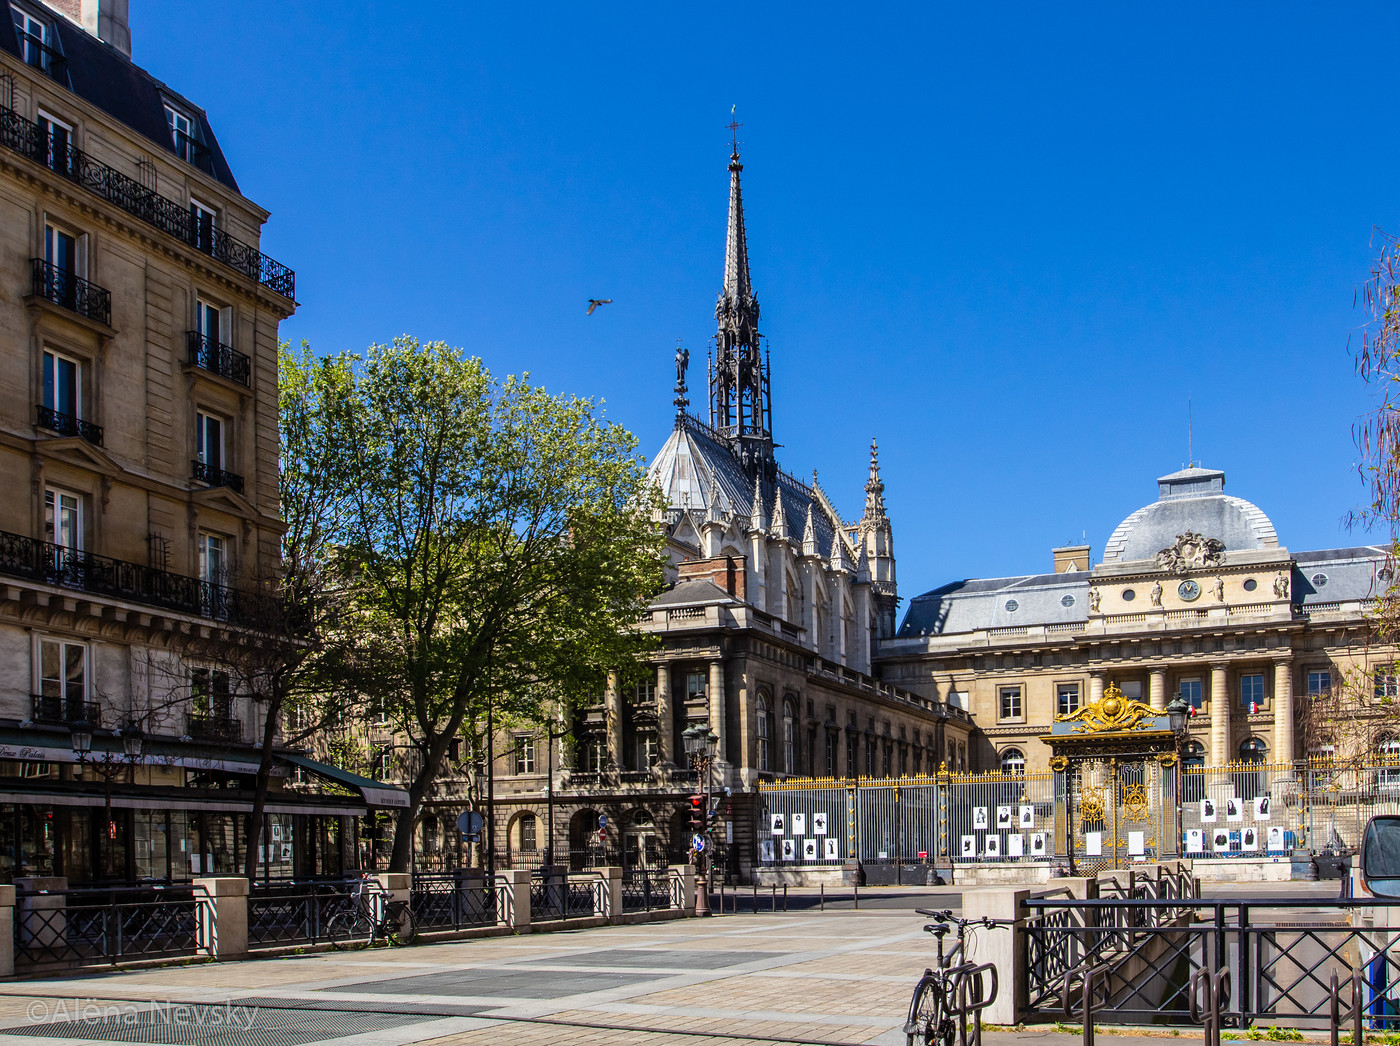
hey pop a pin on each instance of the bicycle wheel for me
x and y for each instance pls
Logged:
(925, 1012)
(399, 923)
(340, 929)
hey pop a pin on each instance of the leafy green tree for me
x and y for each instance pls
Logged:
(500, 542)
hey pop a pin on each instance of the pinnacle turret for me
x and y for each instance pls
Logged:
(759, 520)
(809, 536)
(874, 486)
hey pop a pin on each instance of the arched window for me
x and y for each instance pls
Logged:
(1253, 751)
(1013, 761)
(789, 737)
(962, 758)
(1250, 783)
(525, 840)
(765, 733)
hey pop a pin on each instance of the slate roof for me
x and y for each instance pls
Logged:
(1192, 499)
(690, 592)
(966, 606)
(695, 461)
(100, 74)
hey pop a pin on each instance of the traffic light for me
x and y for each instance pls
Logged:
(697, 811)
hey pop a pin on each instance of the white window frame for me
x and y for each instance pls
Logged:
(78, 363)
(26, 28)
(63, 643)
(202, 420)
(174, 118)
(1324, 689)
(1009, 764)
(52, 501)
(1006, 692)
(203, 309)
(54, 227)
(1060, 690)
(524, 754)
(1200, 701)
(55, 124)
(204, 541)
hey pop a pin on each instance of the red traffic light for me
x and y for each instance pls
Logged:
(697, 811)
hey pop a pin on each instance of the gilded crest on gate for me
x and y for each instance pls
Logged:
(1113, 712)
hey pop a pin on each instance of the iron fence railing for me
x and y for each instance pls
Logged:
(206, 727)
(567, 897)
(64, 710)
(203, 472)
(66, 424)
(57, 154)
(71, 291)
(295, 912)
(107, 925)
(645, 889)
(453, 902)
(217, 358)
(1281, 954)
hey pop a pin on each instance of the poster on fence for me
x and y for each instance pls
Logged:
(833, 852)
(1220, 840)
(789, 849)
(1015, 845)
(765, 850)
(1136, 847)
(809, 849)
(1195, 841)
(286, 851)
(993, 846)
(969, 846)
(819, 824)
(1250, 839)
(1027, 817)
(1037, 844)
(1261, 807)
(1207, 811)
(979, 817)
(1234, 809)
(776, 824)
(1093, 844)
(1003, 817)
(799, 824)
(1275, 838)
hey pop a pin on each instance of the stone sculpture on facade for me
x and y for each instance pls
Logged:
(1157, 594)
(1189, 552)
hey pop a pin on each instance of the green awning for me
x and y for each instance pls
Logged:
(376, 793)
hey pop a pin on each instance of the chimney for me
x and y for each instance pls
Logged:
(1071, 557)
(105, 19)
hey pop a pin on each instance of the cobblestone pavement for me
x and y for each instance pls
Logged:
(806, 977)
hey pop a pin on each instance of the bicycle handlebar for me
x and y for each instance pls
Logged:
(947, 916)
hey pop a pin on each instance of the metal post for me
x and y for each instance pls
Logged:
(823, 902)
(490, 791)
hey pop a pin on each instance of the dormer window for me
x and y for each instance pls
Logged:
(183, 137)
(36, 42)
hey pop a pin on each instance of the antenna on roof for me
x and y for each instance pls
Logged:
(1190, 449)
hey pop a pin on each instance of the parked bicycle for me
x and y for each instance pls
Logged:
(368, 915)
(948, 994)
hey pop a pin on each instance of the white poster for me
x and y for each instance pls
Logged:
(1195, 842)
(993, 846)
(832, 849)
(286, 851)
(789, 849)
(1093, 844)
(194, 864)
(776, 824)
(1261, 807)
(969, 846)
(1135, 844)
(1027, 817)
(1207, 811)
(1234, 809)
(1015, 845)
(1037, 844)
(809, 849)
(819, 824)
(1220, 840)
(979, 817)
(276, 833)
(765, 850)
(1003, 817)
(799, 824)
(1250, 839)
(1275, 838)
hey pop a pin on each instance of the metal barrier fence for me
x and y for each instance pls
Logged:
(453, 902)
(645, 889)
(1238, 810)
(98, 926)
(293, 913)
(574, 896)
(1281, 955)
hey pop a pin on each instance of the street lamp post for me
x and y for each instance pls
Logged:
(701, 743)
(1178, 714)
(133, 742)
(554, 735)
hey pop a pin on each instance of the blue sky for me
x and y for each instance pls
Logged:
(1010, 241)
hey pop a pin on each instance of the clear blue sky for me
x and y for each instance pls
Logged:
(1010, 241)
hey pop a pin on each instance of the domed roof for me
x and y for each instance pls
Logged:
(1192, 499)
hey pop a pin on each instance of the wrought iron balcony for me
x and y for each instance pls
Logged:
(216, 477)
(72, 292)
(218, 358)
(41, 56)
(60, 156)
(205, 727)
(50, 564)
(66, 424)
(58, 710)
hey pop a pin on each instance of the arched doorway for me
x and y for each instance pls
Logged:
(585, 849)
(639, 839)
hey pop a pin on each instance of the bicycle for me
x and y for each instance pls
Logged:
(367, 914)
(949, 991)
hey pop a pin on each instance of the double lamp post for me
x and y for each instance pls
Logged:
(701, 743)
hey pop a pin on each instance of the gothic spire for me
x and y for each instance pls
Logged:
(740, 405)
(874, 486)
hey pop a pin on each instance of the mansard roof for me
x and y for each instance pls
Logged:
(696, 464)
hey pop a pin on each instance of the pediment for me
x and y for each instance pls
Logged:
(73, 450)
(224, 498)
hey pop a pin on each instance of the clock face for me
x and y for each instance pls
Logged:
(1188, 590)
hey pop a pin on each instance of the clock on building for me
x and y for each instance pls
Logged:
(1188, 590)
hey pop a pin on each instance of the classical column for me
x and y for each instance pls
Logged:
(665, 721)
(1219, 716)
(612, 706)
(1157, 688)
(1095, 687)
(717, 708)
(1283, 711)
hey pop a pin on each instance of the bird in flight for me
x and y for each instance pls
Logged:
(593, 303)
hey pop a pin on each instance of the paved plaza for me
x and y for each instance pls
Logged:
(839, 976)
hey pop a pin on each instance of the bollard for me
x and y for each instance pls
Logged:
(1210, 993)
(855, 895)
(784, 897)
(823, 908)
(755, 897)
(773, 900)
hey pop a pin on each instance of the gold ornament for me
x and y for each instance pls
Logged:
(1059, 764)
(1135, 804)
(1112, 712)
(1090, 807)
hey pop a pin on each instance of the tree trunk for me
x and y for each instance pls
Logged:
(264, 777)
(401, 856)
